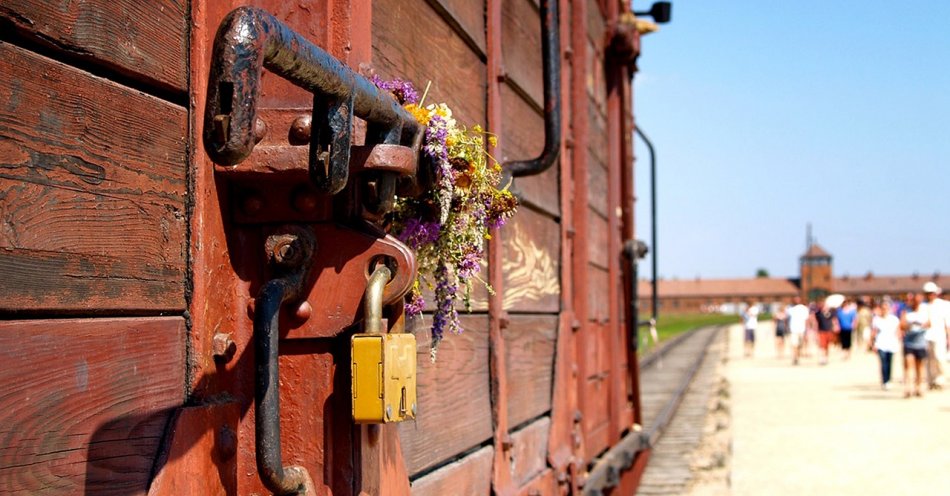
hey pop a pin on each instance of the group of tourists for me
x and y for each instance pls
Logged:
(915, 327)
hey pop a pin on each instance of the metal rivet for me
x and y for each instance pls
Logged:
(252, 204)
(226, 442)
(413, 409)
(305, 201)
(260, 129)
(389, 412)
(304, 311)
(300, 130)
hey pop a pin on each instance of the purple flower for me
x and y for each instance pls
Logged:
(418, 233)
(470, 265)
(402, 90)
(415, 305)
(446, 317)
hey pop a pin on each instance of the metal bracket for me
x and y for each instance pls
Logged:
(250, 40)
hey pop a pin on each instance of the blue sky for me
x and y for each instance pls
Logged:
(767, 115)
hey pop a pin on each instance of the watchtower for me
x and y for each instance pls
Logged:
(815, 267)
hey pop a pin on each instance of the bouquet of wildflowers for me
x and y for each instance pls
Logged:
(447, 226)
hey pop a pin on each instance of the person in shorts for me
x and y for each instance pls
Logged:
(750, 320)
(827, 319)
(798, 315)
(913, 337)
(780, 317)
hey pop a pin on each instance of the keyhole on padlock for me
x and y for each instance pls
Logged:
(402, 402)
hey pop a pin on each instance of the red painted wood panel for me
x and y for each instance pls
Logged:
(145, 40)
(85, 402)
(521, 48)
(469, 476)
(529, 351)
(531, 264)
(92, 190)
(453, 396)
(412, 41)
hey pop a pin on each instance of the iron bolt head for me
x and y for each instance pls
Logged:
(223, 347)
(413, 409)
(389, 412)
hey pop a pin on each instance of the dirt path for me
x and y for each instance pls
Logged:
(831, 430)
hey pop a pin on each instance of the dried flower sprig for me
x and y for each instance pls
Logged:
(448, 225)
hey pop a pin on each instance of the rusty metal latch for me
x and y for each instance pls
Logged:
(290, 254)
(250, 40)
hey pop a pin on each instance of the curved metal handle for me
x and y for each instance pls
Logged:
(292, 254)
(551, 62)
(251, 39)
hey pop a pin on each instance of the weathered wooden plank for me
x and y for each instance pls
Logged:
(92, 187)
(453, 396)
(145, 40)
(84, 402)
(594, 348)
(412, 41)
(597, 145)
(521, 47)
(596, 415)
(597, 304)
(529, 451)
(597, 233)
(470, 17)
(529, 351)
(597, 182)
(531, 264)
(470, 475)
(523, 139)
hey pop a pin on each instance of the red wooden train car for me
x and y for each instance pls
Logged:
(187, 227)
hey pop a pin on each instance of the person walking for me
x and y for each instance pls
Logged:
(935, 334)
(780, 317)
(885, 328)
(914, 342)
(827, 319)
(798, 317)
(750, 319)
(846, 319)
(862, 329)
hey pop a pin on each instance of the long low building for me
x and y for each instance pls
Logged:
(814, 282)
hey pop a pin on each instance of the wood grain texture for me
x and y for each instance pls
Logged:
(598, 229)
(529, 350)
(531, 264)
(469, 15)
(146, 40)
(597, 144)
(529, 451)
(597, 182)
(412, 41)
(85, 402)
(522, 138)
(597, 304)
(453, 395)
(469, 476)
(92, 188)
(521, 47)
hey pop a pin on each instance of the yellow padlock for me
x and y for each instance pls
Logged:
(383, 364)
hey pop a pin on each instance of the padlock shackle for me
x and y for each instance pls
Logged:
(373, 299)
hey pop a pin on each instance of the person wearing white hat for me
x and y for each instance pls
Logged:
(938, 313)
